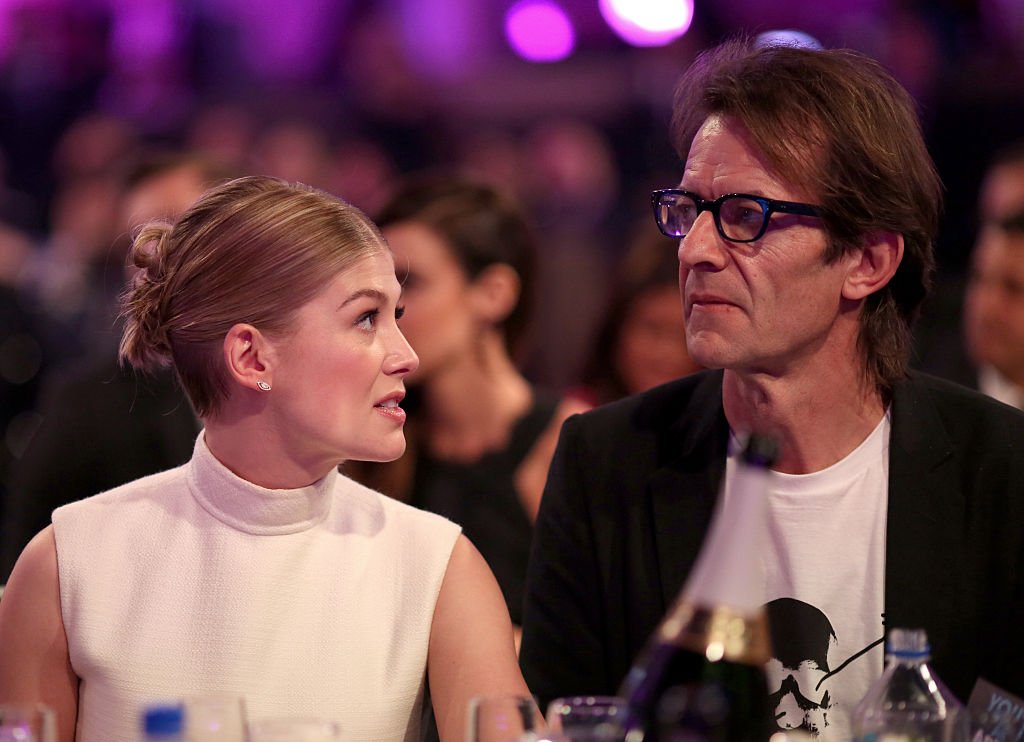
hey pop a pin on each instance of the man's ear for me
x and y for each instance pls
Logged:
(248, 356)
(496, 292)
(873, 264)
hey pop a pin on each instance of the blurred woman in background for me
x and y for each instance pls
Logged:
(641, 341)
(481, 436)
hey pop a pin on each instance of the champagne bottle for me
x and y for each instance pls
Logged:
(701, 675)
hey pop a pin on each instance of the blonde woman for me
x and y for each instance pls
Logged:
(257, 569)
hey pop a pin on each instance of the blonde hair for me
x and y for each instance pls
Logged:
(252, 250)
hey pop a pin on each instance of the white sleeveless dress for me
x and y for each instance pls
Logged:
(193, 581)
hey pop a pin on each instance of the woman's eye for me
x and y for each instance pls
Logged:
(399, 312)
(367, 320)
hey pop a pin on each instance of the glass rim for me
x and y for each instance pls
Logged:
(768, 207)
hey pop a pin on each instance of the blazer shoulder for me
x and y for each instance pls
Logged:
(663, 405)
(927, 409)
(957, 403)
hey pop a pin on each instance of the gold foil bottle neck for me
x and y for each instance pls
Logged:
(719, 633)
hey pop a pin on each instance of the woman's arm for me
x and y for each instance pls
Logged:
(533, 471)
(471, 649)
(34, 662)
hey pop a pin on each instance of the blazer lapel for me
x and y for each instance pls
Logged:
(684, 489)
(926, 511)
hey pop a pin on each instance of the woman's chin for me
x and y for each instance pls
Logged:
(384, 454)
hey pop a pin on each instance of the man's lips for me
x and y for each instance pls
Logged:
(708, 300)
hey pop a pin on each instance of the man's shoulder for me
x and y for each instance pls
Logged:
(656, 428)
(663, 405)
(953, 401)
(933, 412)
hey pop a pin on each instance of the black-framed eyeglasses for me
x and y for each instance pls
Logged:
(739, 217)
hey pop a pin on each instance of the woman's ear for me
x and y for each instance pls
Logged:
(248, 357)
(496, 291)
(873, 265)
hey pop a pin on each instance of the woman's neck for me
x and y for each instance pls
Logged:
(470, 409)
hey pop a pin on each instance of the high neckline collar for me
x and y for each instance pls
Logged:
(250, 508)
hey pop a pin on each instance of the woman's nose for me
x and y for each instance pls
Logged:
(402, 359)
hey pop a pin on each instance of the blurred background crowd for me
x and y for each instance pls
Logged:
(562, 103)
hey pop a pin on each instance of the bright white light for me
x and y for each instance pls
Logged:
(648, 22)
(787, 37)
(714, 651)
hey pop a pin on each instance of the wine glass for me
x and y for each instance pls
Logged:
(27, 722)
(502, 718)
(215, 718)
(588, 718)
(294, 729)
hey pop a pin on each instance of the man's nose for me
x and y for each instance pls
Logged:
(703, 246)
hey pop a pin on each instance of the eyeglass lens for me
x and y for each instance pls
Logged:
(738, 218)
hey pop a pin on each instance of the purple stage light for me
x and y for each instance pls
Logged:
(539, 31)
(648, 22)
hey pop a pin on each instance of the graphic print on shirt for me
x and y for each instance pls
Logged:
(806, 656)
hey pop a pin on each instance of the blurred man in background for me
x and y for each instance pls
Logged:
(994, 301)
(104, 425)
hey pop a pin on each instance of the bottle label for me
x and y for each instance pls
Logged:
(719, 633)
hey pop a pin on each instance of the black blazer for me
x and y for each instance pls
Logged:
(630, 495)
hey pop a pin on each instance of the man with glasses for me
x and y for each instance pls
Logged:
(804, 217)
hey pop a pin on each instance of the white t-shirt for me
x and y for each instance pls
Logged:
(825, 585)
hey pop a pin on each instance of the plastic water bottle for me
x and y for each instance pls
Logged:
(909, 702)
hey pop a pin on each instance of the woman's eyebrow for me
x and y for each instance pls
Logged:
(372, 293)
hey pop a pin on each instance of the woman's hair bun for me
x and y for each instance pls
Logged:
(145, 343)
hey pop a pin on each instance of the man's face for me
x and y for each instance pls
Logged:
(994, 304)
(766, 306)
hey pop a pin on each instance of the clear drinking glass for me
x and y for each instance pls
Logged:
(294, 729)
(214, 719)
(502, 718)
(588, 718)
(27, 722)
